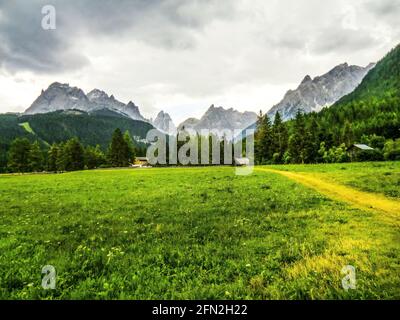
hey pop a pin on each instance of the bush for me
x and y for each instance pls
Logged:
(370, 155)
(391, 151)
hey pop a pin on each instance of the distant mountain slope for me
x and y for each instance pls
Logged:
(315, 94)
(189, 123)
(219, 119)
(103, 101)
(374, 106)
(60, 96)
(383, 82)
(94, 128)
(164, 123)
(91, 128)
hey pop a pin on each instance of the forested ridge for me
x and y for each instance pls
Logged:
(369, 115)
(60, 126)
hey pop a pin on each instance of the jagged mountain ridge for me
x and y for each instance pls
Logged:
(311, 95)
(218, 118)
(59, 96)
(322, 91)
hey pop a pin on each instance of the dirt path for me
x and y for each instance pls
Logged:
(360, 199)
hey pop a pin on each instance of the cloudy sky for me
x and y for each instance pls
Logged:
(181, 56)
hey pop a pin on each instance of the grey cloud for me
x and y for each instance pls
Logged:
(383, 8)
(387, 12)
(26, 46)
(341, 40)
(288, 38)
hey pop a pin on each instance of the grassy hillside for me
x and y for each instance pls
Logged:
(190, 233)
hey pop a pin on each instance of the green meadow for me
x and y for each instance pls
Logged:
(197, 233)
(378, 177)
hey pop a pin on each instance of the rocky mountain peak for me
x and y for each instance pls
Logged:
(218, 118)
(96, 94)
(164, 123)
(132, 105)
(306, 79)
(322, 91)
(60, 96)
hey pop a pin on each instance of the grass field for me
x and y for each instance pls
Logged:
(197, 233)
(378, 177)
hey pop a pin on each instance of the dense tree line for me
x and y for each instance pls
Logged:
(306, 140)
(71, 155)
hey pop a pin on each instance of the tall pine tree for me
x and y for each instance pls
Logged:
(74, 155)
(118, 152)
(264, 140)
(36, 158)
(301, 141)
(131, 147)
(18, 155)
(52, 157)
(280, 138)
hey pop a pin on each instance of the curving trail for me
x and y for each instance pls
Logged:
(360, 199)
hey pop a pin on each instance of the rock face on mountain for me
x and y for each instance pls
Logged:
(189, 124)
(315, 94)
(220, 119)
(60, 96)
(103, 101)
(164, 123)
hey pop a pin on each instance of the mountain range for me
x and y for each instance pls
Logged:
(59, 96)
(311, 95)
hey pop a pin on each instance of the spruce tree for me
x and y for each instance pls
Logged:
(53, 154)
(348, 134)
(94, 157)
(300, 140)
(257, 139)
(35, 158)
(61, 161)
(100, 157)
(18, 155)
(118, 153)
(280, 138)
(312, 143)
(74, 155)
(264, 139)
(131, 147)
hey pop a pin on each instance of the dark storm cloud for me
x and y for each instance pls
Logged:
(24, 45)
